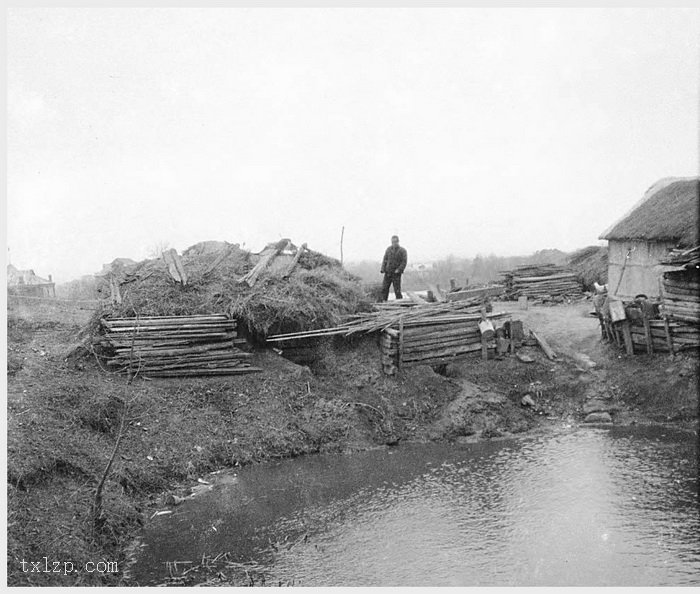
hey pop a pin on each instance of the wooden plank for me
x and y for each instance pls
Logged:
(441, 360)
(295, 261)
(415, 348)
(475, 293)
(114, 289)
(617, 310)
(647, 332)
(204, 372)
(471, 332)
(442, 352)
(175, 267)
(182, 317)
(266, 257)
(669, 338)
(551, 355)
(627, 335)
(418, 332)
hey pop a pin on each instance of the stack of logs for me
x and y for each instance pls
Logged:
(543, 281)
(176, 346)
(681, 295)
(436, 342)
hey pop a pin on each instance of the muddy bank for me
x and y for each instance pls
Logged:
(63, 419)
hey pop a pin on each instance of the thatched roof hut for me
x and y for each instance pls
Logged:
(665, 218)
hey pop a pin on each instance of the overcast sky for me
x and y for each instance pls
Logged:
(465, 131)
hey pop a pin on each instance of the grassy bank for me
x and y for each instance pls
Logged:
(64, 415)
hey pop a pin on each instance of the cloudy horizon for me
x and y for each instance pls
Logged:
(466, 131)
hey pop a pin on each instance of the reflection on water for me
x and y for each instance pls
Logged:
(586, 507)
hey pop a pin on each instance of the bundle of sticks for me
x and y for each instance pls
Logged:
(681, 295)
(541, 281)
(176, 346)
(388, 314)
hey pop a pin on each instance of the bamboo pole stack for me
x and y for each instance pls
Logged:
(176, 346)
(386, 315)
(543, 281)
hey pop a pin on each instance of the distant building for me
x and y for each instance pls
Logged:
(665, 218)
(26, 283)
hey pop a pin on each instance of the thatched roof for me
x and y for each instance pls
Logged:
(667, 212)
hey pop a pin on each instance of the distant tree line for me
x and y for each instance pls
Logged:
(480, 270)
(83, 288)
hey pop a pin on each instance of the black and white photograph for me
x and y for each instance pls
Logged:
(352, 296)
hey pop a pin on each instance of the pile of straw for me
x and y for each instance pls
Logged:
(317, 293)
(307, 300)
(591, 265)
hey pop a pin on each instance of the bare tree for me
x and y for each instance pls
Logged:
(156, 250)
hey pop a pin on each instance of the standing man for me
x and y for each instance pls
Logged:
(393, 265)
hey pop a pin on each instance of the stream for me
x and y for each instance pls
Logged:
(575, 506)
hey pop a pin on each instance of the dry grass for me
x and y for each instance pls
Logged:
(318, 293)
(309, 299)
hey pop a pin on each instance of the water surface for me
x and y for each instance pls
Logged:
(574, 507)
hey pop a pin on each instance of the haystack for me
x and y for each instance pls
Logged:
(591, 265)
(293, 292)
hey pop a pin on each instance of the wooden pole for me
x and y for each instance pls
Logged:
(647, 332)
(294, 262)
(551, 355)
(342, 234)
(627, 335)
(400, 358)
(669, 339)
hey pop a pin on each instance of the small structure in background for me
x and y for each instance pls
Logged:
(26, 283)
(665, 218)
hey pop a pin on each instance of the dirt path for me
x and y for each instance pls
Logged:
(638, 388)
(569, 329)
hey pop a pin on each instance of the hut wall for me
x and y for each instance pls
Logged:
(642, 273)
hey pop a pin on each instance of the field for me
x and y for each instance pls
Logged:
(64, 418)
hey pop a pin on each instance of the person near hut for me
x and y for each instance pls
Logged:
(393, 265)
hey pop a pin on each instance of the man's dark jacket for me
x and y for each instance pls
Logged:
(395, 259)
